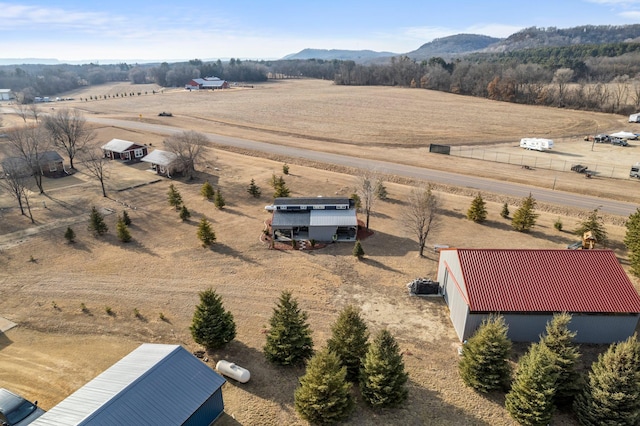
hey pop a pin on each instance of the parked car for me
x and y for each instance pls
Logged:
(17, 411)
(619, 141)
(602, 138)
(165, 114)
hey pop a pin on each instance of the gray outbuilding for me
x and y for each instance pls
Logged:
(154, 385)
(527, 287)
(319, 219)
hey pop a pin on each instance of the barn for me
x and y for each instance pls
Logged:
(527, 287)
(154, 385)
(118, 149)
(50, 164)
(6, 95)
(319, 219)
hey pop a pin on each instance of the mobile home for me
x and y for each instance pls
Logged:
(634, 118)
(536, 143)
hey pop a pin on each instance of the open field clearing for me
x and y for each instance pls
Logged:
(58, 346)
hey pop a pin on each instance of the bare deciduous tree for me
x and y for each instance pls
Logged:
(15, 180)
(419, 214)
(29, 143)
(35, 111)
(189, 146)
(69, 131)
(366, 190)
(97, 166)
(22, 110)
(562, 77)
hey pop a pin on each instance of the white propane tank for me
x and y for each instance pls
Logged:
(229, 369)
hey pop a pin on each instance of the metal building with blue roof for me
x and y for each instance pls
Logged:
(154, 385)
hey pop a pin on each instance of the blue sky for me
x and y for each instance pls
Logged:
(149, 30)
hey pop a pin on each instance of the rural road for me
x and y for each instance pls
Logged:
(507, 188)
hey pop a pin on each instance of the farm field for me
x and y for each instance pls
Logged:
(57, 347)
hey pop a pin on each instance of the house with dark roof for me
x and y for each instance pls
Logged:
(527, 287)
(320, 219)
(49, 164)
(154, 385)
(164, 163)
(211, 83)
(118, 149)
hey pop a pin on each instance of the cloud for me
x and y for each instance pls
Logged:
(615, 2)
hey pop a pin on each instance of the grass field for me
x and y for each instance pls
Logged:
(58, 346)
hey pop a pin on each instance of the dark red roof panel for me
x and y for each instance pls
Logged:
(547, 281)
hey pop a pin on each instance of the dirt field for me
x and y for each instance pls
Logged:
(58, 346)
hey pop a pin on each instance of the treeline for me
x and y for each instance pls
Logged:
(29, 81)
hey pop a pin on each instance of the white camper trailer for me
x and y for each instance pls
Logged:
(634, 118)
(536, 143)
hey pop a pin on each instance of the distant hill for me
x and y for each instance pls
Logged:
(462, 44)
(455, 45)
(345, 55)
(533, 37)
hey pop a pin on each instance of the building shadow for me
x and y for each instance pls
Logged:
(4, 341)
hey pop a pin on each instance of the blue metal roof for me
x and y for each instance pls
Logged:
(154, 385)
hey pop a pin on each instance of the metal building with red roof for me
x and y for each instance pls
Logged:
(528, 286)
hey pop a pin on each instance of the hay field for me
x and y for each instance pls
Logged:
(58, 347)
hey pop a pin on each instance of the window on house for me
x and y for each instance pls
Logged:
(138, 152)
(53, 167)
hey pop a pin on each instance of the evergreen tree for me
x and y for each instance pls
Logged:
(632, 241)
(484, 365)
(205, 233)
(504, 213)
(381, 191)
(125, 218)
(289, 339)
(324, 395)
(185, 214)
(207, 191)
(285, 169)
(611, 395)
(175, 199)
(559, 339)
(358, 251)
(218, 201)
(382, 377)
(349, 340)
(123, 231)
(477, 211)
(212, 326)
(357, 202)
(96, 223)
(595, 224)
(525, 217)
(254, 190)
(69, 235)
(280, 188)
(530, 400)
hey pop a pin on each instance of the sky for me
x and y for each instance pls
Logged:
(150, 31)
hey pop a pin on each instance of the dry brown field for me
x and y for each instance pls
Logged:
(57, 347)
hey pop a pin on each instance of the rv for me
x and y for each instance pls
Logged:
(635, 171)
(634, 118)
(536, 143)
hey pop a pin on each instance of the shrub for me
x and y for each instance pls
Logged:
(558, 224)
(69, 235)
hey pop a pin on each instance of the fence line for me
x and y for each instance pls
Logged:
(534, 161)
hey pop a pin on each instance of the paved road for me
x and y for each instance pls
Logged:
(508, 188)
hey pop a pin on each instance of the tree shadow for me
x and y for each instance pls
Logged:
(268, 381)
(4, 341)
(433, 410)
(376, 264)
(132, 245)
(234, 211)
(229, 251)
(452, 213)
